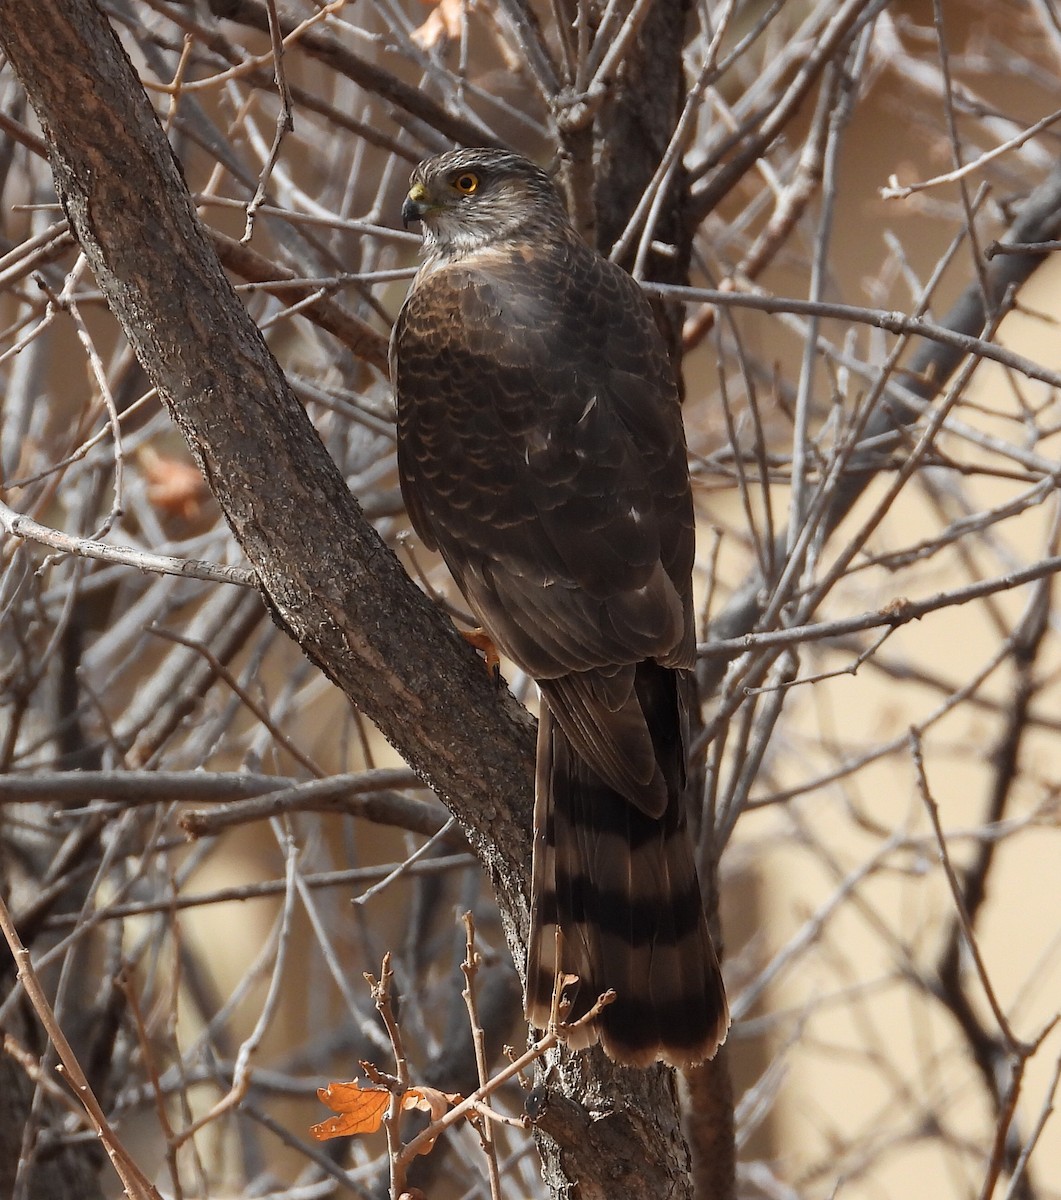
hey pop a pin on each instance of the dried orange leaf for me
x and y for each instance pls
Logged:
(360, 1110)
(430, 1100)
(443, 24)
(173, 485)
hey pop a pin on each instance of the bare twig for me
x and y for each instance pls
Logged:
(470, 967)
(135, 1182)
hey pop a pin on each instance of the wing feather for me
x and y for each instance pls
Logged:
(541, 451)
(530, 445)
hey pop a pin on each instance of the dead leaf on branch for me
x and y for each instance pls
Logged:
(443, 24)
(430, 1100)
(362, 1109)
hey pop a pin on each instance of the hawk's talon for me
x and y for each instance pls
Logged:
(480, 640)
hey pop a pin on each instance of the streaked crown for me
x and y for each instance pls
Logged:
(470, 198)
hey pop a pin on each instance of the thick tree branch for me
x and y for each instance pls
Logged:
(326, 574)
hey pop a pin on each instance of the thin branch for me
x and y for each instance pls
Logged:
(20, 526)
(135, 1182)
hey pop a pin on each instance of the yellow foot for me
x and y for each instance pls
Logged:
(484, 643)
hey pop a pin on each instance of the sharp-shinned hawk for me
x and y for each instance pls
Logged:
(541, 452)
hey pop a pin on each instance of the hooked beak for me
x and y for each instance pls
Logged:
(416, 204)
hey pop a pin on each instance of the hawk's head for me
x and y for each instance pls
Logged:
(467, 199)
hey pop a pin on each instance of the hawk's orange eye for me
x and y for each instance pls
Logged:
(467, 183)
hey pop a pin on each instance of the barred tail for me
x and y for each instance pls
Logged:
(622, 888)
